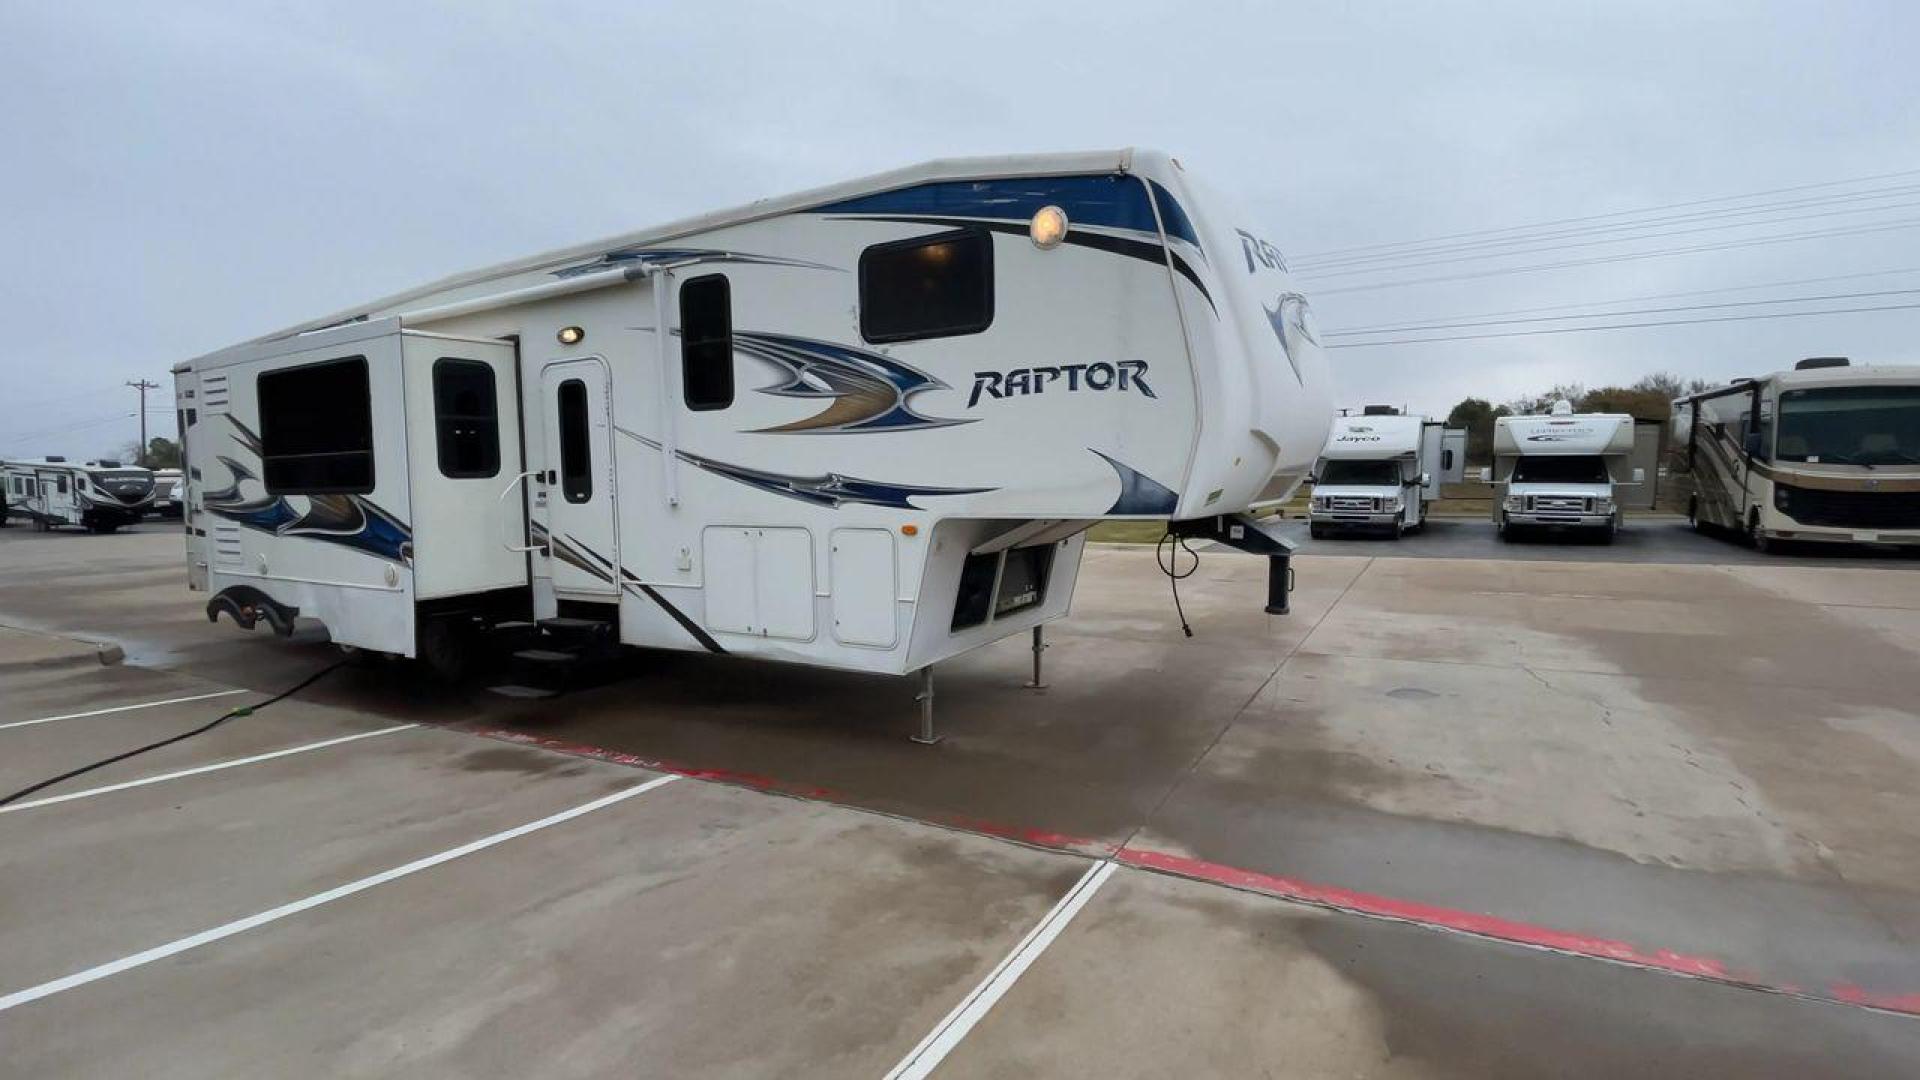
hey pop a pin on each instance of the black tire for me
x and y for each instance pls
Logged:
(1317, 531)
(1693, 515)
(1507, 530)
(1756, 539)
(1607, 534)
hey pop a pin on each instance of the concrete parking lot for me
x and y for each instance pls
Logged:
(1651, 809)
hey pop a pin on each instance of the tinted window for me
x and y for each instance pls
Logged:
(576, 454)
(706, 343)
(466, 417)
(930, 286)
(60, 485)
(316, 429)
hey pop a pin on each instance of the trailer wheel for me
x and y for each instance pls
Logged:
(448, 648)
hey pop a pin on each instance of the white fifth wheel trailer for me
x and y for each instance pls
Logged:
(862, 427)
(1827, 452)
(1380, 469)
(1562, 471)
(99, 496)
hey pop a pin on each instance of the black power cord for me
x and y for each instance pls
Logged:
(1169, 566)
(244, 710)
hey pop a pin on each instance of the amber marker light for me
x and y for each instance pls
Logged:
(1048, 228)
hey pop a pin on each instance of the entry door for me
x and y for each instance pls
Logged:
(56, 489)
(578, 483)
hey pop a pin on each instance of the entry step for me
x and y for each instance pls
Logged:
(546, 656)
(568, 622)
(525, 692)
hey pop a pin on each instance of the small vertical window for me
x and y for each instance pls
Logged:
(60, 484)
(466, 416)
(576, 447)
(706, 343)
(927, 287)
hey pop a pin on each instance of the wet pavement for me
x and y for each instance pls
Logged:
(1451, 817)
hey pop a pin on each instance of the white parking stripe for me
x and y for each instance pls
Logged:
(947, 1034)
(240, 926)
(196, 771)
(123, 708)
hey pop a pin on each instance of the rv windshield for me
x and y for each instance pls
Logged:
(1850, 425)
(1560, 469)
(1361, 473)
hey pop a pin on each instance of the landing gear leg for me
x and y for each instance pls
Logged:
(1039, 646)
(926, 737)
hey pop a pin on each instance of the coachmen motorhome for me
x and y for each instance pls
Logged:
(1380, 469)
(863, 427)
(166, 492)
(1562, 471)
(1826, 452)
(99, 496)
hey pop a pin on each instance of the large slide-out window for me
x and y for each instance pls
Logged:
(576, 445)
(706, 343)
(316, 429)
(466, 418)
(927, 287)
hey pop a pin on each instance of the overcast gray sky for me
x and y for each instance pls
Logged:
(182, 176)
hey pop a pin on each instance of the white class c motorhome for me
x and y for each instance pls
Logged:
(1827, 452)
(863, 427)
(1380, 469)
(99, 496)
(1561, 471)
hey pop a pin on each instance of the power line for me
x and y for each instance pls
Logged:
(1906, 223)
(1680, 295)
(1612, 214)
(1308, 266)
(1623, 326)
(1444, 260)
(1612, 314)
(46, 433)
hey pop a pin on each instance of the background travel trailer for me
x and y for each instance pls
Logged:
(1826, 452)
(1563, 471)
(864, 427)
(1380, 469)
(97, 496)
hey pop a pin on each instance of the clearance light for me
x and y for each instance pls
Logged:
(571, 335)
(1048, 228)
(909, 530)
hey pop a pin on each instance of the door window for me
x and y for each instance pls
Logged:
(576, 447)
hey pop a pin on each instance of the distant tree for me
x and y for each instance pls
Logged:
(1664, 383)
(1642, 404)
(161, 453)
(1477, 416)
(1670, 386)
(1531, 404)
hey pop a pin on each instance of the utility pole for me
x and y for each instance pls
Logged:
(143, 386)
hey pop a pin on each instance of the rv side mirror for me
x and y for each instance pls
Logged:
(1425, 480)
(1639, 476)
(1486, 475)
